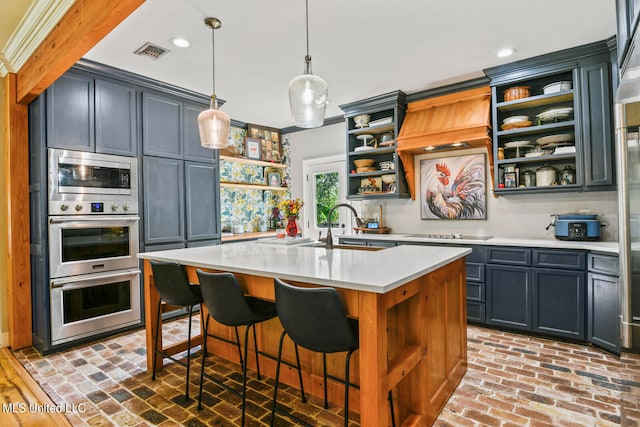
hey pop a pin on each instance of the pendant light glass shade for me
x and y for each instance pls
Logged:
(214, 127)
(213, 123)
(308, 99)
(308, 93)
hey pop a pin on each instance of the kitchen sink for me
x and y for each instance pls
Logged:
(352, 247)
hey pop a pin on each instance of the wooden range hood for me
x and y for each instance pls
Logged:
(444, 123)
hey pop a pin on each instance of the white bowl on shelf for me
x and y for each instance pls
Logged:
(556, 87)
(515, 119)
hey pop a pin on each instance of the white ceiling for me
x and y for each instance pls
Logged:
(362, 48)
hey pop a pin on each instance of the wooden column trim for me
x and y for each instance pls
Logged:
(82, 27)
(17, 194)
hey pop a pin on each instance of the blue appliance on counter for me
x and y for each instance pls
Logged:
(576, 226)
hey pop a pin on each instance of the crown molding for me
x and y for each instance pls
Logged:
(3, 70)
(37, 23)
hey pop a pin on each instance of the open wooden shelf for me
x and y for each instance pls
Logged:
(253, 162)
(244, 186)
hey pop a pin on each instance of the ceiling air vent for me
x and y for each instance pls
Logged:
(151, 50)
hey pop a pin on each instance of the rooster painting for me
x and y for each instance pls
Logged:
(454, 187)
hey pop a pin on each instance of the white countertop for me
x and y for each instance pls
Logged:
(608, 247)
(372, 271)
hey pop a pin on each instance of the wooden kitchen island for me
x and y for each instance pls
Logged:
(410, 302)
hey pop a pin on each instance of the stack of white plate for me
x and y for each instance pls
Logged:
(555, 114)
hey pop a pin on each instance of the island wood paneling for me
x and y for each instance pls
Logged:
(421, 358)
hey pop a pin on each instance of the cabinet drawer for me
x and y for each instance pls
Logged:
(509, 256)
(475, 272)
(475, 292)
(559, 258)
(605, 264)
(475, 312)
(478, 255)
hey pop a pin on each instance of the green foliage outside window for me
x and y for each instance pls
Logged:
(326, 185)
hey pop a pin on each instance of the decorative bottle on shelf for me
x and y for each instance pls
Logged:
(292, 226)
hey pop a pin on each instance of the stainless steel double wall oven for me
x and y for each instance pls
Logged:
(94, 275)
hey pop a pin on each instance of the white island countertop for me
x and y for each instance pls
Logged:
(371, 271)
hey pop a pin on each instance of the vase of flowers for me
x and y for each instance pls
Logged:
(291, 210)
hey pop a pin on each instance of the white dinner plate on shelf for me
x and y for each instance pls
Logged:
(555, 114)
(561, 137)
(558, 144)
(538, 153)
(383, 121)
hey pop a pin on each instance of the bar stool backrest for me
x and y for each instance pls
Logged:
(172, 284)
(314, 318)
(225, 299)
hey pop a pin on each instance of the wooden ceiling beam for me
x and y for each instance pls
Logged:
(83, 26)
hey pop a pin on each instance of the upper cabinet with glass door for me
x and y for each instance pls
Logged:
(373, 168)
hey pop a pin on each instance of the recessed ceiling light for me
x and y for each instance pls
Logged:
(503, 53)
(179, 41)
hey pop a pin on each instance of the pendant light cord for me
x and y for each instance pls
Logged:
(307, 19)
(213, 59)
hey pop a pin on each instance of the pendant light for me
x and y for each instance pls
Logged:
(213, 123)
(307, 93)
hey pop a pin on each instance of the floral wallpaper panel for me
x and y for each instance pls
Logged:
(250, 208)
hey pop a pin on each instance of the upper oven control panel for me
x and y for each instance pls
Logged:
(92, 207)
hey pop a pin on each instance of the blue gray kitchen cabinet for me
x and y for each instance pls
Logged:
(116, 119)
(70, 112)
(559, 292)
(559, 302)
(603, 307)
(192, 148)
(162, 121)
(509, 256)
(597, 131)
(39, 235)
(508, 296)
(170, 128)
(202, 201)
(90, 114)
(163, 200)
(539, 290)
(586, 71)
(476, 286)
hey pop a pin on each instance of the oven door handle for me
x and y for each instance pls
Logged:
(58, 283)
(59, 220)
